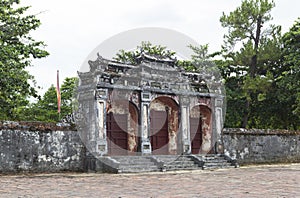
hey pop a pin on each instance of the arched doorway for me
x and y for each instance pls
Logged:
(195, 130)
(163, 125)
(122, 128)
(200, 129)
(159, 134)
(116, 125)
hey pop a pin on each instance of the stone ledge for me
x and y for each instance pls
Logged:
(36, 126)
(242, 131)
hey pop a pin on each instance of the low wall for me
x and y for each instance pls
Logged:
(250, 146)
(39, 147)
(45, 147)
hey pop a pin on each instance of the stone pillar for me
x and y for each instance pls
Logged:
(185, 124)
(101, 100)
(86, 118)
(145, 123)
(218, 120)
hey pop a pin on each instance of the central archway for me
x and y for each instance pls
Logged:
(164, 124)
(200, 129)
(159, 134)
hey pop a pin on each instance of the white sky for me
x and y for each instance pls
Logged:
(73, 28)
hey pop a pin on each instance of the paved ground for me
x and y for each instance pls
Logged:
(251, 181)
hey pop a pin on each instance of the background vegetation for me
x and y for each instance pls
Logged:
(259, 64)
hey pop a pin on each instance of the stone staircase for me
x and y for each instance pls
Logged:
(134, 164)
(177, 162)
(212, 161)
(155, 163)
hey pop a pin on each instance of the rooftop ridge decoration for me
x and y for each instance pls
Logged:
(143, 56)
(165, 69)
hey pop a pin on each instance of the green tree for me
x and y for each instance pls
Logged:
(129, 57)
(251, 53)
(17, 49)
(289, 81)
(200, 60)
(46, 108)
(67, 94)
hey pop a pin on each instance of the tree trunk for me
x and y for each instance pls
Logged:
(252, 71)
(246, 114)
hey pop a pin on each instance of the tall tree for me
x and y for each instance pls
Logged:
(147, 47)
(248, 48)
(200, 60)
(289, 82)
(46, 108)
(17, 49)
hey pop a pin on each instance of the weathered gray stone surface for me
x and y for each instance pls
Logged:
(39, 148)
(44, 147)
(262, 146)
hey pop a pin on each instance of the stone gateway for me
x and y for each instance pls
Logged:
(153, 107)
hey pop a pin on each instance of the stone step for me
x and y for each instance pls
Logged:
(180, 165)
(217, 167)
(214, 159)
(175, 168)
(212, 155)
(137, 165)
(217, 164)
(139, 170)
(181, 162)
(172, 158)
(132, 160)
(167, 158)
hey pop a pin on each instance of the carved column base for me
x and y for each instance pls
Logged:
(101, 147)
(186, 147)
(146, 147)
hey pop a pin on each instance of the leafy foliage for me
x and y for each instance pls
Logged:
(200, 60)
(251, 53)
(46, 108)
(129, 57)
(17, 48)
(289, 81)
(259, 65)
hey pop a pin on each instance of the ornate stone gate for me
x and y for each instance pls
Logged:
(153, 107)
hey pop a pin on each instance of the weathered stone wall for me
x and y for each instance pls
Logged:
(44, 147)
(39, 147)
(262, 146)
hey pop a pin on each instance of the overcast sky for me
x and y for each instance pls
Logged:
(73, 28)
